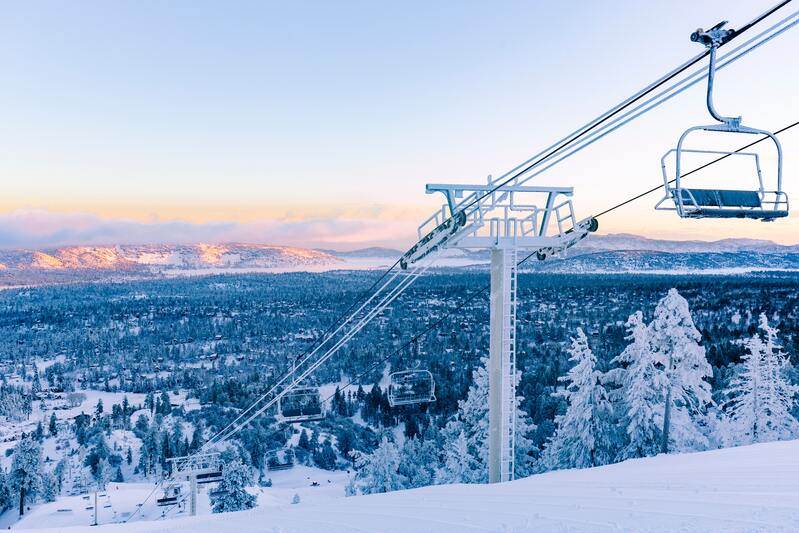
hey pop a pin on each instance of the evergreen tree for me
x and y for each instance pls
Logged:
(149, 402)
(325, 456)
(52, 427)
(638, 397)
(472, 420)
(584, 434)
(760, 395)
(303, 441)
(683, 367)
(26, 471)
(6, 492)
(36, 386)
(379, 471)
(49, 487)
(459, 466)
(165, 403)
(345, 441)
(420, 463)
(231, 494)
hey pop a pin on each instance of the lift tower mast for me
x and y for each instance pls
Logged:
(535, 219)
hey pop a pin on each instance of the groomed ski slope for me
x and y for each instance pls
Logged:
(748, 489)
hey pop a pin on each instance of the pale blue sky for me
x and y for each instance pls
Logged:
(318, 123)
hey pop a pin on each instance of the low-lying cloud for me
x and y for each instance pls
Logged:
(43, 229)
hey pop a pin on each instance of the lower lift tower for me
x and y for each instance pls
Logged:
(538, 220)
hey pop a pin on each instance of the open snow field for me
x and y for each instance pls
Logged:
(748, 489)
(120, 500)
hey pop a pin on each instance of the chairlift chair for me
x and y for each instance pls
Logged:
(410, 387)
(302, 404)
(170, 495)
(755, 203)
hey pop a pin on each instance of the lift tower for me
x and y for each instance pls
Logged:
(196, 469)
(537, 220)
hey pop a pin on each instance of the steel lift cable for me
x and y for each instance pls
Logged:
(409, 277)
(553, 150)
(539, 158)
(650, 191)
(631, 100)
(460, 212)
(334, 327)
(669, 93)
(434, 326)
(697, 76)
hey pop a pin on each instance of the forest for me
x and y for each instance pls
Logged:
(221, 341)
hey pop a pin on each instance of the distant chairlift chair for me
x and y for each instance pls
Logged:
(170, 495)
(757, 204)
(410, 387)
(302, 404)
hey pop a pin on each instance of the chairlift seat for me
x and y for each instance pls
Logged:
(724, 203)
(721, 198)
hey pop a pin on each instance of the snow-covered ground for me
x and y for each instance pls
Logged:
(120, 500)
(748, 489)
(11, 431)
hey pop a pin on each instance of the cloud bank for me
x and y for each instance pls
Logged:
(43, 229)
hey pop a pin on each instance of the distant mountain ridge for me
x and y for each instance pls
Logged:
(164, 256)
(599, 253)
(625, 241)
(621, 242)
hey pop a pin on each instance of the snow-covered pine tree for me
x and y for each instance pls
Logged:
(523, 447)
(459, 465)
(472, 420)
(744, 409)
(639, 394)
(760, 395)
(677, 353)
(26, 471)
(49, 487)
(379, 471)
(584, 434)
(52, 427)
(780, 394)
(6, 492)
(231, 494)
(420, 460)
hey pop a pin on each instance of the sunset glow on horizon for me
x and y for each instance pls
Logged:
(319, 127)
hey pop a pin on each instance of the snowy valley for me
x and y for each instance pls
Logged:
(105, 384)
